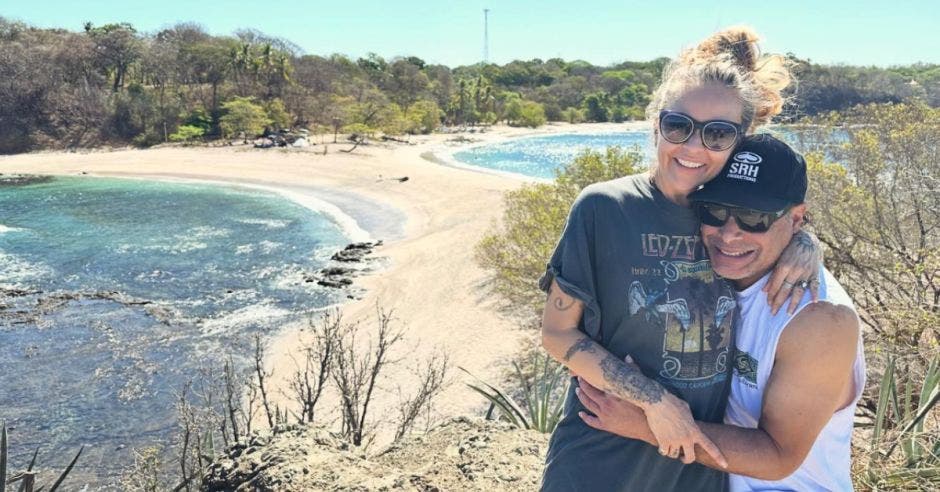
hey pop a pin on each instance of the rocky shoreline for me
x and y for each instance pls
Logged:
(338, 276)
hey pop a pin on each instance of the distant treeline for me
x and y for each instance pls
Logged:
(111, 84)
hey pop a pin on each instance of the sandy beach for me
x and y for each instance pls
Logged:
(429, 223)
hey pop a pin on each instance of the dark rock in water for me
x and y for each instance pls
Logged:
(23, 179)
(335, 283)
(336, 271)
(355, 252)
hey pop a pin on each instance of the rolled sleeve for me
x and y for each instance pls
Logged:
(572, 264)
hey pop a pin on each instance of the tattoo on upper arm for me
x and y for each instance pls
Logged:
(628, 382)
(583, 345)
(558, 301)
(561, 305)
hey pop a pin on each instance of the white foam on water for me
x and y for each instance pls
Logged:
(256, 313)
(205, 232)
(269, 246)
(244, 249)
(16, 271)
(267, 223)
(4, 229)
(347, 224)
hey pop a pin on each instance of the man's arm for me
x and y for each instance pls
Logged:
(810, 380)
(669, 417)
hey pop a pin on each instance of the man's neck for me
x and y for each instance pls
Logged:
(742, 284)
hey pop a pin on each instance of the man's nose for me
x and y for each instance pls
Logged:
(730, 230)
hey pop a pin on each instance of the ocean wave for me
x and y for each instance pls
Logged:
(4, 229)
(15, 271)
(205, 232)
(267, 223)
(349, 226)
(264, 312)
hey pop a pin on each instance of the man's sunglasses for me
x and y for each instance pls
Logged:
(716, 215)
(716, 135)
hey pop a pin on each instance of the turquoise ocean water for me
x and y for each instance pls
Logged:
(142, 285)
(539, 157)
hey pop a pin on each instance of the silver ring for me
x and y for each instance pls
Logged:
(788, 285)
(803, 284)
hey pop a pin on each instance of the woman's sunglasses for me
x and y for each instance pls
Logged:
(716, 135)
(716, 215)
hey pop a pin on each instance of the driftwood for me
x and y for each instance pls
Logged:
(358, 142)
(386, 138)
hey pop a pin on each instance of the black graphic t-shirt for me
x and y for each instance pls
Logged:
(636, 261)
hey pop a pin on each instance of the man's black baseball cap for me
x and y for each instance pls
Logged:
(762, 174)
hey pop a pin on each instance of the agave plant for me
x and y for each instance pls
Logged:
(27, 478)
(903, 404)
(543, 384)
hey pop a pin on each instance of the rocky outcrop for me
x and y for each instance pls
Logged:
(355, 252)
(22, 179)
(461, 454)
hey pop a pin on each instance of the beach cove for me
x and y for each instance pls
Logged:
(429, 224)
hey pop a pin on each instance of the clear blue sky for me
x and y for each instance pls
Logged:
(861, 32)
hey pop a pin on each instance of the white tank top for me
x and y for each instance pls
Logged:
(828, 464)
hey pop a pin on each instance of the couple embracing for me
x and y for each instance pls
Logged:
(666, 298)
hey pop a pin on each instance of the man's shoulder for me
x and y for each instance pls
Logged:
(821, 327)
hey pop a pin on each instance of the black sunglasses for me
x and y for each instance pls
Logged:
(716, 135)
(716, 215)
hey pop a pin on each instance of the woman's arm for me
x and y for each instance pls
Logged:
(669, 417)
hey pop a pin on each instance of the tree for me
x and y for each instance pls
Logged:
(595, 107)
(277, 114)
(877, 210)
(117, 46)
(187, 134)
(242, 115)
(515, 254)
(424, 116)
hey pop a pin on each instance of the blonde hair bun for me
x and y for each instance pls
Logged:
(733, 58)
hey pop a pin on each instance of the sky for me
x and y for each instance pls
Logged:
(603, 32)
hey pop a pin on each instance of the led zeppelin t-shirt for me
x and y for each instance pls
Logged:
(636, 261)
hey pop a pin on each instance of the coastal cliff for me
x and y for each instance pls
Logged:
(460, 454)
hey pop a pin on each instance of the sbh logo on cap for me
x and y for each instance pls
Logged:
(744, 166)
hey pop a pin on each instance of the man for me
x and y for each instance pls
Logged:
(797, 378)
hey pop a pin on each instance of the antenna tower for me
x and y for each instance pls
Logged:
(486, 35)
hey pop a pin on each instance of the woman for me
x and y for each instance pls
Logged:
(630, 277)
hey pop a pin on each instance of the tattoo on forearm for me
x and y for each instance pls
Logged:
(629, 383)
(582, 345)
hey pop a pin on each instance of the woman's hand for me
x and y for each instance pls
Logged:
(796, 270)
(672, 424)
(669, 423)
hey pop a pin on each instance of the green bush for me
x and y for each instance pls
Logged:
(424, 117)
(242, 115)
(516, 252)
(187, 134)
(874, 196)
